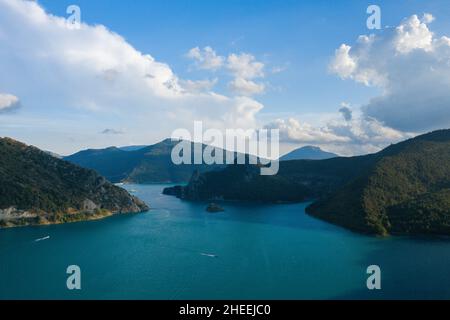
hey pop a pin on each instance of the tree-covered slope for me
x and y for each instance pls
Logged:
(397, 194)
(296, 180)
(37, 188)
(402, 189)
(152, 164)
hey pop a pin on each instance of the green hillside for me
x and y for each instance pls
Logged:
(151, 164)
(402, 189)
(37, 188)
(296, 180)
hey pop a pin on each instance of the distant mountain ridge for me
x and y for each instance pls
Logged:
(38, 188)
(150, 164)
(132, 148)
(402, 189)
(308, 153)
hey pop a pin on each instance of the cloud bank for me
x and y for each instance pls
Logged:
(95, 74)
(97, 79)
(411, 64)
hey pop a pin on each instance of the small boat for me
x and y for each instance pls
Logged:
(208, 255)
(42, 239)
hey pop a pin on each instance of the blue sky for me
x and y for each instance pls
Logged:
(300, 38)
(298, 35)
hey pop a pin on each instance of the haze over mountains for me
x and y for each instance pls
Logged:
(403, 189)
(136, 164)
(153, 163)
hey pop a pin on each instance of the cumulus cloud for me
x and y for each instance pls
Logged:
(95, 74)
(199, 85)
(206, 58)
(413, 34)
(292, 130)
(8, 102)
(347, 136)
(244, 113)
(411, 66)
(343, 64)
(246, 87)
(245, 66)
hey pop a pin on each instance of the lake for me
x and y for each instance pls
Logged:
(250, 251)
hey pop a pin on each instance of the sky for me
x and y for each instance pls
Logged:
(137, 70)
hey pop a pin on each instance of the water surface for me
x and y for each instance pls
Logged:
(179, 251)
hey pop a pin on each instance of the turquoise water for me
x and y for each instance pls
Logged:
(262, 252)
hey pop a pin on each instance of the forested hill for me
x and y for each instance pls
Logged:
(405, 192)
(38, 188)
(402, 189)
(151, 164)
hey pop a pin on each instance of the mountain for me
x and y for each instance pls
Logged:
(132, 148)
(308, 153)
(112, 163)
(406, 191)
(403, 189)
(297, 180)
(151, 164)
(37, 188)
(53, 154)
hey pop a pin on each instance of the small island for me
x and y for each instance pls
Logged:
(214, 208)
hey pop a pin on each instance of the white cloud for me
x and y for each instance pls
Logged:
(341, 134)
(244, 113)
(8, 102)
(246, 87)
(199, 85)
(292, 130)
(94, 75)
(343, 65)
(206, 58)
(245, 66)
(413, 34)
(412, 67)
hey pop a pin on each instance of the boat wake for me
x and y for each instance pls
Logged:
(209, 255)
(42, 239)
